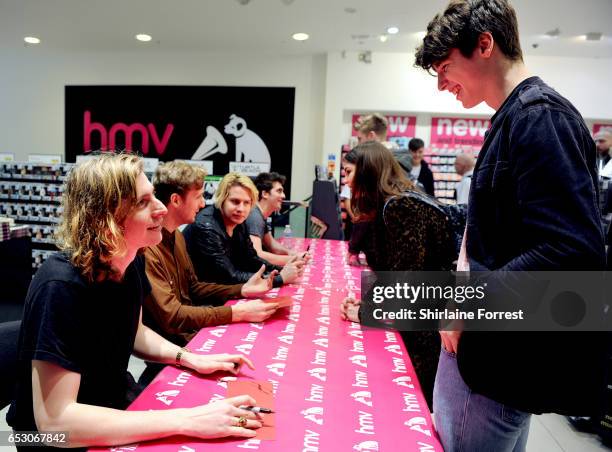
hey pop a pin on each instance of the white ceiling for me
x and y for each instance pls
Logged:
(266, 26)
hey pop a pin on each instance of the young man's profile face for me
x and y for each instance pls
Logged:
(461, 77)
(143, 225)
(237, 206)
(192, 202)
(276, 195)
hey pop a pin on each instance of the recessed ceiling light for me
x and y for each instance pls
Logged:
(420, 34)
(31, 40)
(143, 37)
(300, 36)
(392, 30)
(383, 38)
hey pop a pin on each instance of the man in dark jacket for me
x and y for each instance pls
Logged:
(219, 244)
(420, 169)
(533, 206)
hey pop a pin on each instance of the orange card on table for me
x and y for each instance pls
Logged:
(283, 302)
(263, 394)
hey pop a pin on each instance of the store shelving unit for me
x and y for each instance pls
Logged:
(441, 161)
(30, 193)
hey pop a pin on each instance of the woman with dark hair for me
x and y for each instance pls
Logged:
(359, 230)
(406, 234)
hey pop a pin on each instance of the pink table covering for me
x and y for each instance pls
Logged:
(338, 385)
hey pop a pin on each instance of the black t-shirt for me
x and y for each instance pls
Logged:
(82, 327)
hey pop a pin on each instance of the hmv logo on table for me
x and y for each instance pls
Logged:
(215, 123)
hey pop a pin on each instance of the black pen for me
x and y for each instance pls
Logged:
(255, 409)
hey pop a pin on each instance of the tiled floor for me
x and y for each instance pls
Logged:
(548, 433)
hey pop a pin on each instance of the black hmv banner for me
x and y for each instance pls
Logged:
(216, 123)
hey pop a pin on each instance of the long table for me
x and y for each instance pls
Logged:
(337, 385)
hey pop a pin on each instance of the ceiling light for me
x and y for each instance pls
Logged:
(300, 36)
(383, 38)
(392, 30)
(143, 37)
(31, 40)
(594, 36)
(420, 34)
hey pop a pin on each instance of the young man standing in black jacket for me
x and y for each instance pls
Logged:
(533, 206)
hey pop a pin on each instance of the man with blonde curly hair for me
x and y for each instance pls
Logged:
(82, 321)
(219, 243)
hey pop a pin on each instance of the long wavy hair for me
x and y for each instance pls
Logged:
(99, 194)
(377, 177)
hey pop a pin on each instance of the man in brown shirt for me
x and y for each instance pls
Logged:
(179, 305)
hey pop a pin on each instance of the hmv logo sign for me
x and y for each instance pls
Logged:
(219, 124)
(149, 134)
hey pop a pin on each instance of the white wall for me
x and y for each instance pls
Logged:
(390, 84)
(328, 89)
(32, 93)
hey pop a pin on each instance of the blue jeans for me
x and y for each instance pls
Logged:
(470, 422)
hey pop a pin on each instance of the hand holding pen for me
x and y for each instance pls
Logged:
(256, 409)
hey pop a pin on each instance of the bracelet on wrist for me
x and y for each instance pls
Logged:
(179, 355)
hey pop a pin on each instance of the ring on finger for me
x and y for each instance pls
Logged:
(242, 422)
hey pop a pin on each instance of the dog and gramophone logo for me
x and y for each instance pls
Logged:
(232, 128)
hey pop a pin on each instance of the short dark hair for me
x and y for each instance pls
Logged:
(415, 144)
(265, 181)
(460, 25)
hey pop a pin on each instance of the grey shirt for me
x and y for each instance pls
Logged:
(256, 223)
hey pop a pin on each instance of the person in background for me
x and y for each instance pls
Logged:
(405, 235)
(603, 141)
(179, 305)
(533, 207)
(369, 128)
(82, 321)
(360, 230)
(218, 241)
(464, 166)
(373, 128)
(271, 196)
(420, 170)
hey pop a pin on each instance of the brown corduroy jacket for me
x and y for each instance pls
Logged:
(179, 305)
